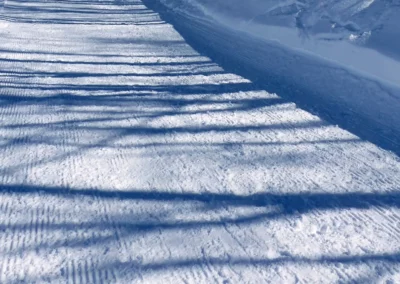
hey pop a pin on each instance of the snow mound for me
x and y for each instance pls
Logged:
(363, 35)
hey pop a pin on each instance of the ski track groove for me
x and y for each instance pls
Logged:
(241, 244)
(34, 224)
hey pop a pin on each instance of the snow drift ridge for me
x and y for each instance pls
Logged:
(362, 35)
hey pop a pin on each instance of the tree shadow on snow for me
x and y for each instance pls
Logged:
(96, 109)
(78, 12)
(102, 232)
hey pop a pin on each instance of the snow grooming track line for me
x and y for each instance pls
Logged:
(126, 156)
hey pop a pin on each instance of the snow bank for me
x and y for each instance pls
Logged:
(361, 35)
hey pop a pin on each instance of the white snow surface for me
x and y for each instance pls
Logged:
(126, 156)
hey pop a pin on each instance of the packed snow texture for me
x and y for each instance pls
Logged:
(363, 35)
(129, 155)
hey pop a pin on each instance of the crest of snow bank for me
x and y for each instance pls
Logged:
(375, 23)
(362, 36)
(191, 7)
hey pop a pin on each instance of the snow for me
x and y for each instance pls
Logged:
(140, 145)
(345, 32)
(342, 80)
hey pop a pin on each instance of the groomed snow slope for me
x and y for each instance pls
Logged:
(129, 156)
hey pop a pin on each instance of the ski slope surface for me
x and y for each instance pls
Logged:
(142, 144)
